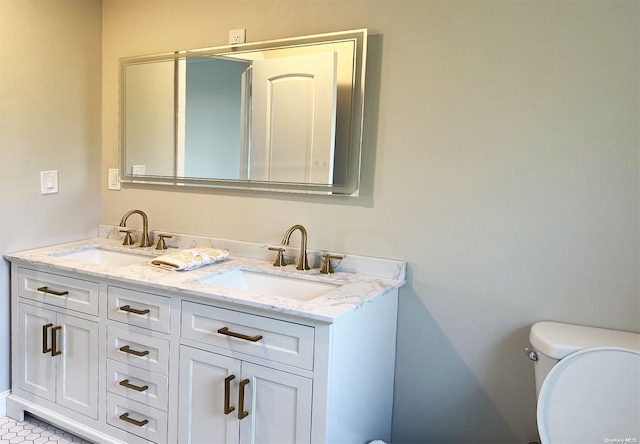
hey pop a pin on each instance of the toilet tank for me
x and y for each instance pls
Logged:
(552, 341)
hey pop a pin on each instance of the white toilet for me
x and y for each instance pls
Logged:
(587, 383)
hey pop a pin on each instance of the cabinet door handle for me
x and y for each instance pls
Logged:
(227, 388)
(45, 338)
(226, 331)
(54, 341)
(125, 418)
(137, 388)
(126, 349)
(53, 292)
(241, 411)
(128, 309)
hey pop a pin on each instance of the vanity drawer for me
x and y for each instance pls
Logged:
(272, 339)
(62, 291)
(143, 351)
(140, 309)
(137, 384)
(137, 418)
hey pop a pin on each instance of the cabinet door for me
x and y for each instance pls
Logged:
(279, 406)
(36, 367)
(201, 417)
(67, 373)
(77, 381)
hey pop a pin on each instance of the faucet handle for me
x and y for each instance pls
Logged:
(279, 262)
(326, 264)
(162, 245)
(128, 240)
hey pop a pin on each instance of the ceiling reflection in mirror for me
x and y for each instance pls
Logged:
(283, 115)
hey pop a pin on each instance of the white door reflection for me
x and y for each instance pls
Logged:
(293, 119)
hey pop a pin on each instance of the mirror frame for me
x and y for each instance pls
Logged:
(352, 182)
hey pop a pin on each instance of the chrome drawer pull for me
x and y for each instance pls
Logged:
(125, 417)
(226, 331)
(126, 349)
(128, 309)
(53, 292)
(127, 384)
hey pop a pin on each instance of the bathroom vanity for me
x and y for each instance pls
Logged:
(116, 350)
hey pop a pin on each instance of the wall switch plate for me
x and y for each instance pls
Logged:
(237, 36)
(114, 179)
(49, 182)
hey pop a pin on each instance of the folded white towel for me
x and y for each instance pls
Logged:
(186, 260)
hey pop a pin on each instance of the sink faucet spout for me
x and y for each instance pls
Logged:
(303, 263)
(145, 241)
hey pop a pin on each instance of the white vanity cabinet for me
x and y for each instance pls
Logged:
(303, 381)
(137, 355)
(57, 348)
(59, 356)
(227, 398)
(138, 341)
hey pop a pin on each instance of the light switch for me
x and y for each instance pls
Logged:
(49, 182)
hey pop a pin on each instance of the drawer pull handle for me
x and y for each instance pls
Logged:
(137, 388)
(226, 331)
(54, 341)
(53, 292)
(227, 388)
(126, 349)
(241, 412)
(45, 338)
(128, 309)
(125, 418)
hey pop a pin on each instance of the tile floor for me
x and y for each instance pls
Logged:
(34, 431)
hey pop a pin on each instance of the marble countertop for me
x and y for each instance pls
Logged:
(353, 288)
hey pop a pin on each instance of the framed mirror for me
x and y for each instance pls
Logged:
(283, 115)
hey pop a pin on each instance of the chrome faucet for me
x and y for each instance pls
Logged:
(144, 242)
(303, 264)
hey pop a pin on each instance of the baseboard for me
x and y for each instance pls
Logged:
(3, 403)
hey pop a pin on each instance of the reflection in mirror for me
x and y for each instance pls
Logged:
(280, 115)
(211, 142)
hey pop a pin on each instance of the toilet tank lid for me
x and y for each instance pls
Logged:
(557, 340)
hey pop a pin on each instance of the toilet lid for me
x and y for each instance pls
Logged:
(592, 396)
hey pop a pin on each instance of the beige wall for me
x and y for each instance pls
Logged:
(506, 174)
(504, 166)
(49, 120)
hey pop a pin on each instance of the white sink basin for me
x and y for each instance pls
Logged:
(269, 284)
(103, 256)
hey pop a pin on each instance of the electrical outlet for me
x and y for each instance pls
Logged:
(114, 179)
(237, 36)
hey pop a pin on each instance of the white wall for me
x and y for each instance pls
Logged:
(50, 67)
